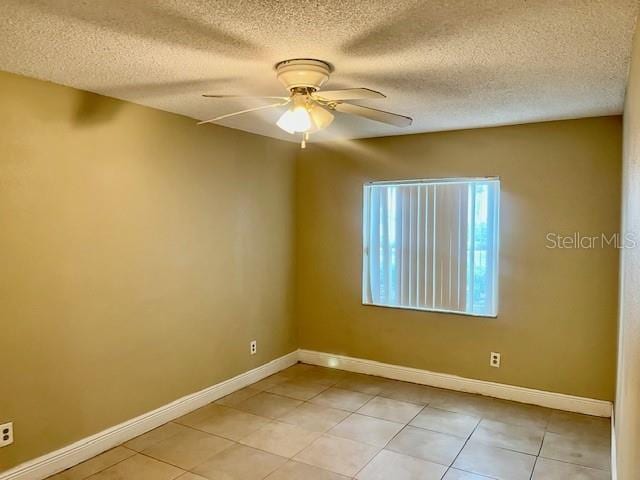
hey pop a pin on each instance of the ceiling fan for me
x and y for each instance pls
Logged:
(309, 108)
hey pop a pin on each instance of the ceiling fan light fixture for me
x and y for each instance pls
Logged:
(296, 119)
(320, 117)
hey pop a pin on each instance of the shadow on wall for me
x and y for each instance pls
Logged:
(93, 109)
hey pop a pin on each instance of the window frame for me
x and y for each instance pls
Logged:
(432, 181)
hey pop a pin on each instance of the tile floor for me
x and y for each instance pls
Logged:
(314, 423)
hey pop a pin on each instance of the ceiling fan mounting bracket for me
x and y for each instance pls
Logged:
(303, 73)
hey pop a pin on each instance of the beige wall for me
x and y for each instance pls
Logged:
(627, 411)
(556, 327)
(140, 254)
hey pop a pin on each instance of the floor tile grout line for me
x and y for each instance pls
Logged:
(168, 438)
(465, 443)
(327, 387)
(406, 455)
(505, 448)
(533, 470)
(103, 469)
(358, 412)
(494, 446)
(390, 440)
(173, 465)
(576, 464)
(190, 470)
(565, 436)
(337, 438)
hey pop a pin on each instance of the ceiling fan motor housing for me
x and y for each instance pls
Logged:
(303, 73)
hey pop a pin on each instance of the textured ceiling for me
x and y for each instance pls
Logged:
(449, 64)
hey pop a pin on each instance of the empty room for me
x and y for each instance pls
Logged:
(324, 240)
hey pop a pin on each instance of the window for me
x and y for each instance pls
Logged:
(432, 245)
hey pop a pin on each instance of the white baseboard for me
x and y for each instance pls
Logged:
(559, 401)
(82, 450)
(614, 456)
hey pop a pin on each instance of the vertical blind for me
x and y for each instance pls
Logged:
(432, 245)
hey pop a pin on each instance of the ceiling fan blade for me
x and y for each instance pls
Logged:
(262, 107)
(373, 114)
(348, 94)
(210, 95)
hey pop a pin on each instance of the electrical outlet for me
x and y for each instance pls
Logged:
(6, 434)
(494, 360)
(253, 347)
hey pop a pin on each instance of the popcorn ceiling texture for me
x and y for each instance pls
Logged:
(449, 64)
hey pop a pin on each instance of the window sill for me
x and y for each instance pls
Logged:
(429, 310)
